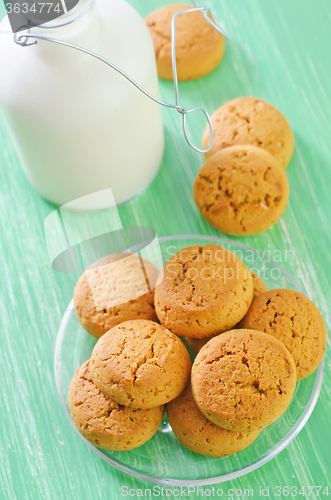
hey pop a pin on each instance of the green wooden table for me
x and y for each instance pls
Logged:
(278, 50)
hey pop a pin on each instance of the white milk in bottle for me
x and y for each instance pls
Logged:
(79, 126)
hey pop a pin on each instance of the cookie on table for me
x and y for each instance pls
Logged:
(259, 287)
(104, 422)
(115, 289)
(294, 320)
(249, 120)
(198, 434)
(140, 364)
(204, 291)
(241, 190)
(243, 380)
(199, 46)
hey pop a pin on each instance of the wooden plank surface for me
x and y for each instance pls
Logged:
(278, 50)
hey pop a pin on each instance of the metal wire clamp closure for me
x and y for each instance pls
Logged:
(29, 39)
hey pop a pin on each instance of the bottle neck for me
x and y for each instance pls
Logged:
(72, 16)
(79, 26)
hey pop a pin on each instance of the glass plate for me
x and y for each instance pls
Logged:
(163, 459)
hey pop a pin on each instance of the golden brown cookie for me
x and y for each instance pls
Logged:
(140, 364)
(294, 320)
(241, 190)
(259, 287)
(204, 291)
(199, 46)
(249, 120)
(104, 422)
(115, 289)
(200, 435)
(243, 380)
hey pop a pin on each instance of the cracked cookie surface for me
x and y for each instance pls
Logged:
(204, 291)
(249, 120)
(199, 46)
(294, 320)
(241, 190)
(200, 435)
(243, 380)
(106, 423)
(140, 364)
(259, 287)
(113, 280)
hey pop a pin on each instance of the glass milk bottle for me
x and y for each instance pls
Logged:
(79, 126)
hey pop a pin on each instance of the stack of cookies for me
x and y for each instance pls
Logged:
(253, 345)
(242, 189)
(117, 398)
(242, 381)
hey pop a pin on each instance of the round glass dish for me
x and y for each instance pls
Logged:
(163, 459)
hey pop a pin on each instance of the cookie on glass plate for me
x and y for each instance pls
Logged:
(140, 364)
(243, 380)
(259, 287)
(200, 435)
(204, 291)
(294, 320)
(115, 289)
(104, 422)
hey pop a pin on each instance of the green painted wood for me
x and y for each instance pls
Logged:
(278, 50)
